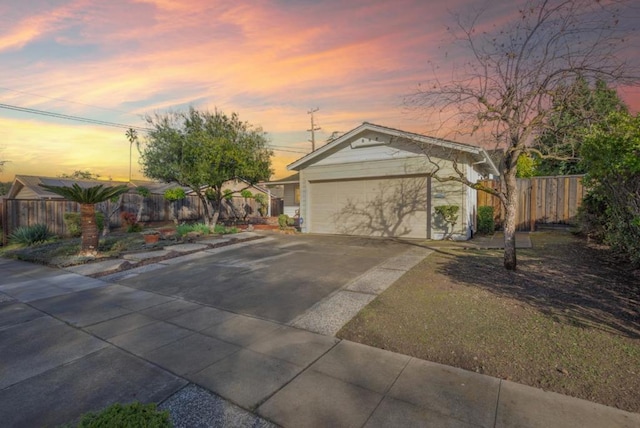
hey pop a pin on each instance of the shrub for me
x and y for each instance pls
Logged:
(449, 214)
(261, 200)
(486, 223)
(224, 230)
(228, 194)
(74, 224)
(246, 193)
(127, 415)
(201, 228)
(174, 194)
(30, 235)
(183, 229)
(144, 192)
(285, 221)
(130, 220)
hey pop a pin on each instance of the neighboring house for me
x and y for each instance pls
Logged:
(238, 206)
(290, 193)
(378, 181)
(28, 186)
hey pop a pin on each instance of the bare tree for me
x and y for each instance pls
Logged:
(514, 74)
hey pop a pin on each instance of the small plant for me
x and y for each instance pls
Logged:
(30, 235)
(174, 194)
(183, 229)
(486, 223)
(228, 194)
(131, 221)
(201, 228)
(284, 221)
(73, 223)
(224, 230)
(449, 214)
(127, 415)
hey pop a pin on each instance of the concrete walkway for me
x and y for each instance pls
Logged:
(71, 344)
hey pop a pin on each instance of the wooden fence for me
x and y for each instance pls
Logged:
(541, 200)
(154, 208)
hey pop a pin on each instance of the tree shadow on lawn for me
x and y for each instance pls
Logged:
(569, 281)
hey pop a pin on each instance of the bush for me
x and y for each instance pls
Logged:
(30, 235)
(224, 230)
(449, 214)
(131, 221)
(183, 229)
(127, 415)
(285, 221)
(486, 224)
(73, 223)
(261, 200)
(174, 194)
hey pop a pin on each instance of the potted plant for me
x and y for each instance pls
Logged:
(151, 236)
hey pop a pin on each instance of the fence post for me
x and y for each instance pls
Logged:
(533, 204)
(5, 223)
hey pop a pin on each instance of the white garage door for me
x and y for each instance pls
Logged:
(372, 207)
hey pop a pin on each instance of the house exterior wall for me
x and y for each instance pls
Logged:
(447, 193)
(27, 193)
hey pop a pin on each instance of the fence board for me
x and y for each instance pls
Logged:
(27, 212)
(542, 200)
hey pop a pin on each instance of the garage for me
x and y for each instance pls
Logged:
(370, 207)
(379, 181)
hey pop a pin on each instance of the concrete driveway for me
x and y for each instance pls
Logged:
(71, 344)
(277, 278)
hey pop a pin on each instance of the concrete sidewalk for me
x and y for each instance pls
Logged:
(72, 344)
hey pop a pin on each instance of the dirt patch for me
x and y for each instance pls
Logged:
(567, 321)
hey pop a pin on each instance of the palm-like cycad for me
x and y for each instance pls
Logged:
(87, 198)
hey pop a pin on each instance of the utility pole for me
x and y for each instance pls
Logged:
(313, 129)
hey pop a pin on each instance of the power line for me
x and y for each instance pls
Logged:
(285, 150)
(70, 117)
(111, 124)
(65, 101)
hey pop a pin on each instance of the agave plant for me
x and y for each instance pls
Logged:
(88, 198)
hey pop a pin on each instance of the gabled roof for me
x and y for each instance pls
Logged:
(292, 179)
(33, 183)
(478, 153)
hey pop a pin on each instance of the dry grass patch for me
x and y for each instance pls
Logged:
(568, 321)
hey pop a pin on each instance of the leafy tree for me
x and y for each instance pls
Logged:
(513, 73)
(87, 198)
(81, 175)
(612, 161)
(4, 187)
(203, 150)
(557, 149)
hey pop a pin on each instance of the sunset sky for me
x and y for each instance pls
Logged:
(269, 61)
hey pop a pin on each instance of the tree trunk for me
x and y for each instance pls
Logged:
(140, 209)
(209, 217)
(511, 208)
(89, 228)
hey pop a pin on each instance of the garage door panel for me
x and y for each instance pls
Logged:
(381, 207)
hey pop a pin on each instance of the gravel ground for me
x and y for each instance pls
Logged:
(195, 407)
